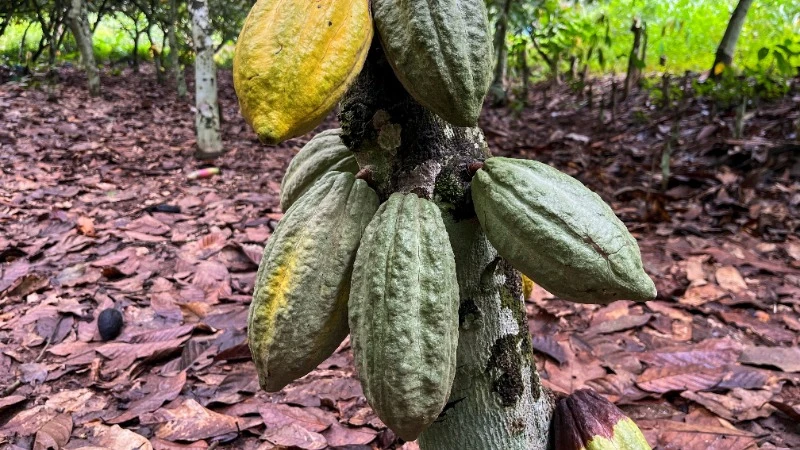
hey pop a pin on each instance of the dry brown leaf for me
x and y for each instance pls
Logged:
(192, 422)
(737, 405)
(117, 438)
(295, 436)
(54, 434)
(678, 378)
(786, 359)
(729, 278)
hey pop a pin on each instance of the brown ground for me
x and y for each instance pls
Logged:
(712, 364)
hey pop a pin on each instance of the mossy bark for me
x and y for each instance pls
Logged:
(497, 400)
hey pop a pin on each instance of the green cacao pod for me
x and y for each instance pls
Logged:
(587, 421)
(441, 52)
(298, 315)
(558, 232)
(324, 153)
(404, 314)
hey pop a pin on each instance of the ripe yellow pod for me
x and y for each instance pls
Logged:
(294, 60)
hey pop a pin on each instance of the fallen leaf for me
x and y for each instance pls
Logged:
(295, 436)
(786, 359)
(54, 434)
(729, 278)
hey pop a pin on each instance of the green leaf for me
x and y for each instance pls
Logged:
(762, 53)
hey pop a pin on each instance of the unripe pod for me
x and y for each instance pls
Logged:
(559, 233)
(404, 314)
(299, 311)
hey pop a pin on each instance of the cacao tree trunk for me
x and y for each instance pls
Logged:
(207, 124)
(78, 21)
(724, 56)
(174, 51)
(497, 401)
(497, 91)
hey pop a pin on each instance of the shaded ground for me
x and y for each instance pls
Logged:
(713, 363)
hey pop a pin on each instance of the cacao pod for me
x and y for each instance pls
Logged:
(441, 51)
(294, 60)
(324, 153)
(557, 232)
(404, 314)
(587, 421)
(298, 315)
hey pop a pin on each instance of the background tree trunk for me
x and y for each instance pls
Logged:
(174, 51)
(724, 57)
(497, 91)
(78, 21)
(209, 141)
(497, 400)
(634, 71)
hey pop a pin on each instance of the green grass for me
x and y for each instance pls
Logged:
(687, 32)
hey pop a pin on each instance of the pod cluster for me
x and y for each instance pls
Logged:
(341, 262)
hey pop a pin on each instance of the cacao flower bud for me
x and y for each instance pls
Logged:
(587, 421)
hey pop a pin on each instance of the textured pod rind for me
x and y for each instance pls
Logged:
(441, 51)
(558, 232)
(585, 420)
(322, 154)
(298, 315)
(295, 60)
(404, 314)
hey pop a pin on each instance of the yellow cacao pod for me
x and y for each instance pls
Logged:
(295, 60)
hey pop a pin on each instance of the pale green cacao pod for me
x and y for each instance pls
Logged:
(298, 315)
(324, 153)
(404, 314)
(441, 51)
(558, 232)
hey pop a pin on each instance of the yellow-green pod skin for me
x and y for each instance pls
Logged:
(298, 315)
(324, 153)
(587, 421)
(560, 234)
(404, 314)
(294, 61)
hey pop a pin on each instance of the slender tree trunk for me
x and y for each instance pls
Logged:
(497, 92)
(78, 21)
(497, 401)
(526, 72)
(724, 56)
(634, 58)
(174, 50)
(209, 141)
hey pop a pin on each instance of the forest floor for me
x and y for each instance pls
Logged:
(88, 221)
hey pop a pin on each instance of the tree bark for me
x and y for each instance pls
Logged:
(724, 56)
(497, 91)
(497, 401)
(633, 59)
(174, 51)
(78, 21)
(209, 141)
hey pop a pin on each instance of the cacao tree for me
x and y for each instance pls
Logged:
(207, 125)
(402, 229)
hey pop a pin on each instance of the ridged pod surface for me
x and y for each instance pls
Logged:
(324, 153)
(295, 60)
(404, 314)
(558, 232)
(441, 52)
(298, 315)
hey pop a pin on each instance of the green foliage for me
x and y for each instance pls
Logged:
(681, 34)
